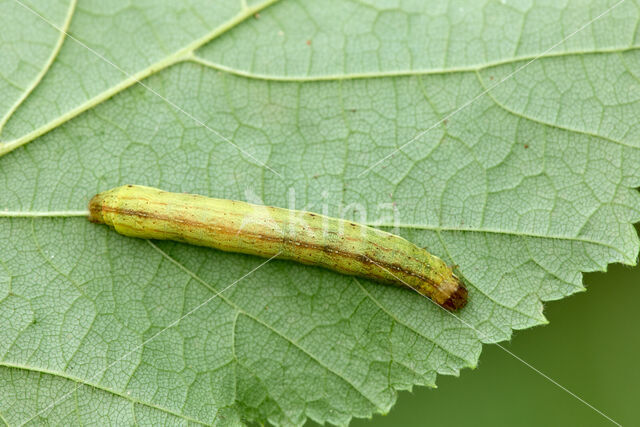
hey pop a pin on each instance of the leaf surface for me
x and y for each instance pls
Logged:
(508, 152)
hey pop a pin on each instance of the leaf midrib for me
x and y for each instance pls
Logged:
(426, 227)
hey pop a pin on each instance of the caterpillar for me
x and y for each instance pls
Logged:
(309, 238)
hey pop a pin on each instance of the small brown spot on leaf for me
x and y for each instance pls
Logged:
(308, 42)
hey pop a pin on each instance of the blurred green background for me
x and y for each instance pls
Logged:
(591, 347)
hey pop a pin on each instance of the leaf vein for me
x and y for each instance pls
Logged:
(397, 73)
(81, 381)
(549, 124)
(266, 325)
(47, 66)
(166, 62)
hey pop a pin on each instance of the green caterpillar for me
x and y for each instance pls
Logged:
(266, 231)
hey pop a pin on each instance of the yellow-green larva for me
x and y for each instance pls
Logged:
(266, 231)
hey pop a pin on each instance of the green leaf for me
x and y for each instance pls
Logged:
(519, 159)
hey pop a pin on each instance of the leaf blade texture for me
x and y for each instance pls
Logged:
(531, 184)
